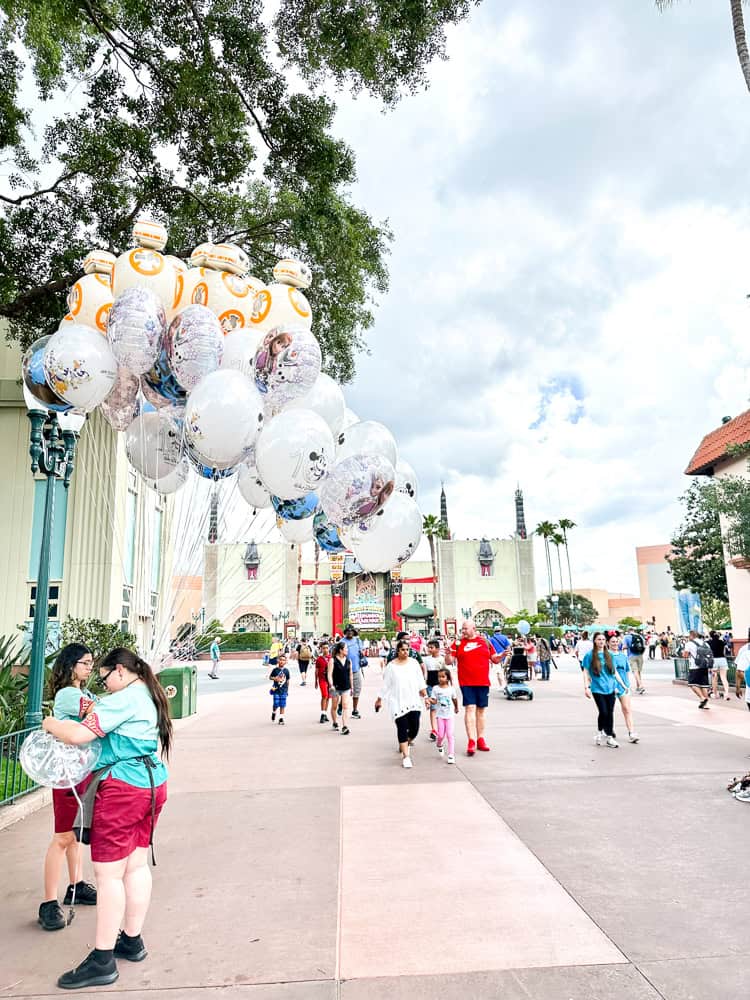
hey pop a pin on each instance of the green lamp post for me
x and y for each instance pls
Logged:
(52, 449)
(555, 600)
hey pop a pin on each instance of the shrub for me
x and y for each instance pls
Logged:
(235, 642)
(97, 635)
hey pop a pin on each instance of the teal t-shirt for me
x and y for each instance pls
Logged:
(126, 722)
(620, 661)
(71, 703)
(605, 682)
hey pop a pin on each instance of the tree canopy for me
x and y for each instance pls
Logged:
(185, 109)
(697, 562)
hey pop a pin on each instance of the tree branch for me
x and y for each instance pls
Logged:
(38, 194)
(16, 308)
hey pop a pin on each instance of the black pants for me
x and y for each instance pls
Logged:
(606, 705)
(407, 726)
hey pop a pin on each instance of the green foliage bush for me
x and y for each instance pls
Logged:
(235, 642)
(99, 636)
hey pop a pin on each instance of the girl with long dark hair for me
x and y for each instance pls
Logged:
(404, 690)
(130, 792)
(71, 700)
(599, 683)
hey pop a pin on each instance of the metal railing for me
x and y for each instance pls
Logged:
(682, 665)
(14, 782)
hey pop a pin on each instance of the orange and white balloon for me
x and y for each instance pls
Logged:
(277, 305)
(144, 266)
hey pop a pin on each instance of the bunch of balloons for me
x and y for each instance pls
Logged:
(202, 365)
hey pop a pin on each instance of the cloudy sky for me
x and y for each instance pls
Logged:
(568, 278)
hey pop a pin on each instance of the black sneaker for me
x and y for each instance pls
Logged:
(130, 948)
(334, 725)
(324, 718)
(85, 895)
(433, 736)
(339, 710)
(89, 973)
(356, 715)
(281, 721)
(51, 916)
(273, 717)
(345, 731)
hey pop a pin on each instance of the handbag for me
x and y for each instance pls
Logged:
(363, 661)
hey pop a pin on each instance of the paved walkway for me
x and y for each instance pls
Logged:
(296, 864)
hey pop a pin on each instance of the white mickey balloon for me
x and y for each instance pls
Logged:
(239, 351)
(368, 437)
(222, 417)
(79, 366)
(392, 538)
(276, 304)
(251, 488)
(293, 453)
(326, 399)
(174, 480)
(296, 532)
(153, 444)
(406, 479)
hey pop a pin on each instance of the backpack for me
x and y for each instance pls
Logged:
(704, 657)
(304, 651)
(637, 645)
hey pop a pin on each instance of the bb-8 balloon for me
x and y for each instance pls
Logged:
(89, 301)
(180, 268)
(144, 266)
(292, 272)
(277, 305)
(221, 285)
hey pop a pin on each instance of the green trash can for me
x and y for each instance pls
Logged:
(181, 688)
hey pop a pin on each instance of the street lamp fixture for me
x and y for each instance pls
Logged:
(466, 612)
(555, 600)
(52, 449)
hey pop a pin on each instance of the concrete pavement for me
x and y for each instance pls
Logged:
(297, 864)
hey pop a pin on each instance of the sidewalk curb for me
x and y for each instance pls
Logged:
(25, 807)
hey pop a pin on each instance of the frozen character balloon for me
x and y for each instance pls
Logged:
(296, 510)
(137, 324)
(356, 489)
(194, 345)
(287, 364)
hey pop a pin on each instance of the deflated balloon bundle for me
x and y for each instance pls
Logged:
(203, 366)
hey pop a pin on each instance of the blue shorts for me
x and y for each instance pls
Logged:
(279, 699)
(475, 694)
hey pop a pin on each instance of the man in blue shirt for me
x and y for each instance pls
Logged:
(354, 652)
(215, 654)
(501, 644)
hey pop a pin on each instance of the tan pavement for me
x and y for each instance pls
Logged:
(297, 863)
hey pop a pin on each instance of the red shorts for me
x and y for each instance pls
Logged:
(323, 685)
(65, 807)
(122, 819)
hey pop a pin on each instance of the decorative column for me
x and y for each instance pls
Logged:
(337, 607)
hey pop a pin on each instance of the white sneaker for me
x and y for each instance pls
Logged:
(612, 742)
(599, 739)
(451, 759)
(633, 737)
(406, 762)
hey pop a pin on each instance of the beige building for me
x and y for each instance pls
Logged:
(111, 555)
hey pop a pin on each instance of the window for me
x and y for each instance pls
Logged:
(251, 623)
(421, 599)
(485, 569)
(127, 597)
(53, 601)
(311, 604)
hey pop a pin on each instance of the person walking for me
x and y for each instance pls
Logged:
(653, 642)
(72, 700)
(473, 655)
(431, 666)
(636, 647)
(700, 661)
(621, 663)
(445, 702)
(544, 654)
(215, 654)
(403, 691)
(129, 789)
(279, 678)
(321, 680)
(583, 646)
(356, 656)
(599, 683)
(304, 655)
(502, 645)
(719, 670)
(340, 681)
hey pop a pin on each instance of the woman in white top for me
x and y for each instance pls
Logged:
(403, 692)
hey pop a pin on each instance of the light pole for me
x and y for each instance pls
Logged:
(282, 616)
(466, 612)
(577, 612)
(554, 599)
(52, 449)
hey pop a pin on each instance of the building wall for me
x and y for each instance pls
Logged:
(738, 580)
(658, 596)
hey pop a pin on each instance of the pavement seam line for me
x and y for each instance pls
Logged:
(339, 895)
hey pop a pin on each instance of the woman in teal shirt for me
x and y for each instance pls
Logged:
(70, 672)
(599, 683)
(622, 683)
(130, 722)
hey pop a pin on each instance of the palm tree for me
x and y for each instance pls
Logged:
(738, 25)
(557, 540)
(433, 528)
(565, 525)
(545, 530)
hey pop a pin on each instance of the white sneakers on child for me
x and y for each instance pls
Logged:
(406, 762)
(633, 736)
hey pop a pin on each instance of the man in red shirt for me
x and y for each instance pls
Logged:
(321, 680)
(473, 655)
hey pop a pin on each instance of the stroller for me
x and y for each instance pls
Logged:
(517, 676)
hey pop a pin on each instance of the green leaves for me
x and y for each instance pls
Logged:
(698, 560)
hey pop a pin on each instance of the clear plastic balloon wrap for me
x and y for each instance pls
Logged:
(327, 534)
(293, 453)
(367, 437)
(137, 325)
(153, 444)
(32, 373)
(54, 764)
(121, 406)
(79, 366)
(326, 399)
(295, 510)
(222, 417)
(406, 479)
(391, 538)
(287, 363)
(194, 344)
(356, 489)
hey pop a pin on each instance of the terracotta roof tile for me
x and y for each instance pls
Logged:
(714, 446)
